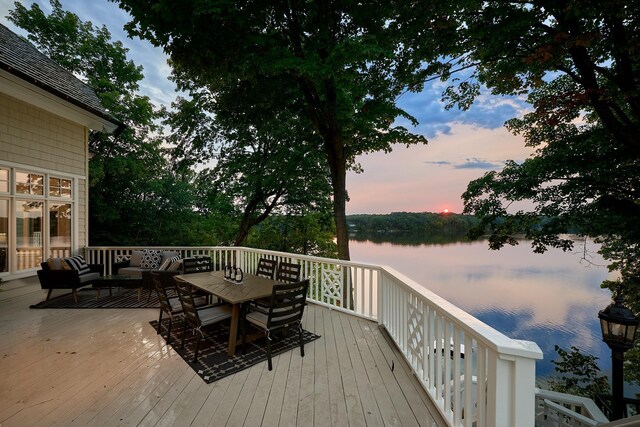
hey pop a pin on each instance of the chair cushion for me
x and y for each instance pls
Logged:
(211, 315)
(258, 319)
(150, 259)
(78, 263)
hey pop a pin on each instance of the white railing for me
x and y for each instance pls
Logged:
(561, 409)
(475, 375)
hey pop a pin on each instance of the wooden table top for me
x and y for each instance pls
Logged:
(252, 287)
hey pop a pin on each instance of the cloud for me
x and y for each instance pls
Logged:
(431, 177)
(479, 164)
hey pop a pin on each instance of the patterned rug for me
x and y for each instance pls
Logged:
(88, 298)
(213, 362)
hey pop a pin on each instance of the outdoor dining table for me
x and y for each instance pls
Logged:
(213, 282)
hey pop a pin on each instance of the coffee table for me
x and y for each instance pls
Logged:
(117, 281)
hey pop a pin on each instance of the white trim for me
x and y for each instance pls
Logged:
(37, 169)
(38, 97)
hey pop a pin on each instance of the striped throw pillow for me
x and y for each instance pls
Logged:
(79, 264)
(166, 265)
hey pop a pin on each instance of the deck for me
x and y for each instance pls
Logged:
(109, 367)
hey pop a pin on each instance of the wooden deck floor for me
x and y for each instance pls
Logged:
(109, 367)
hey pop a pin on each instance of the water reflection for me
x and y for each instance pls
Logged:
(551, 298)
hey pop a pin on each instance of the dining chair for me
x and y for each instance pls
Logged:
(286, 308)
(198, 317)
(288, 272)
(169, 301)
(266, 268)
(196, 265)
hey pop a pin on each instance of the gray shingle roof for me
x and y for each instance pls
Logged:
(20, 58)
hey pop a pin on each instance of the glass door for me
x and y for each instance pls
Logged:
(29, 237)
(60, 230)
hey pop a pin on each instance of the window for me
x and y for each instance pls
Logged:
(60, 187)
(60, 230)
(29, 244)
(29, 183)
(4, 180)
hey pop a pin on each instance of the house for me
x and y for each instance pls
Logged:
(45, 117)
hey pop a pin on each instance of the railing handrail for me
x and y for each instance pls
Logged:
(492, 338)
(459, 360)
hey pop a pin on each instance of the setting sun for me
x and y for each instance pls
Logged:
(445, 211)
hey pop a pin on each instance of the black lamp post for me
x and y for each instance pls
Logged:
(619, 327)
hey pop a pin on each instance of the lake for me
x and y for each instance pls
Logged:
(552, 298)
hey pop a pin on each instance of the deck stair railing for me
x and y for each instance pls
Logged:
(475, 375)
(561, 409)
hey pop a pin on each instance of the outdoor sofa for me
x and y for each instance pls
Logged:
(141, 263)
(67, 273)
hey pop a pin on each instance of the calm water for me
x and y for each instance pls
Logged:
(553, 298)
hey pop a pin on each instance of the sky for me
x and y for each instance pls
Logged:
(463, 145)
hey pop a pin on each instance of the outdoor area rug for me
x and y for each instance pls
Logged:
(213, 362)
(121, 298)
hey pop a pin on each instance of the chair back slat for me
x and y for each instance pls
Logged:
(266, 268)
(288, 272)
(188, 304)
(196, 265)
(287, 303)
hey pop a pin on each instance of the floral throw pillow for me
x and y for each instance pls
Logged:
(150, 259)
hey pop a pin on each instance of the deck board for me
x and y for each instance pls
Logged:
(109, 367)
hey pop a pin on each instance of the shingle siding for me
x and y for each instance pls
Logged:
(32, 137)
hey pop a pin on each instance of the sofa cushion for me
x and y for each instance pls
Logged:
(166, 265)
(55, 264)
(131, 271)
(150, 259)
(78, 263)
(136, 257)
(169, 254)
(88, 277)
(175, 265)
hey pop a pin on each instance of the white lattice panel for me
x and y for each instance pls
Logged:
(415, 325)
(332, 284)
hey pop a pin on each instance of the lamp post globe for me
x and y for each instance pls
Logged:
(619, 327)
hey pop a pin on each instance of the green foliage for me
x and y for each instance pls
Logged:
(583, 377)
(424, 222)
(344, 64)
(309, 234)
(134, 198)
(577, 63)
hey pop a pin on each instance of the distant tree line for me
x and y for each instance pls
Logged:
(420, 222)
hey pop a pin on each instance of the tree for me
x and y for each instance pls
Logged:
(347, 61)
(133, 198)
(266, 160)
(577, 62)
